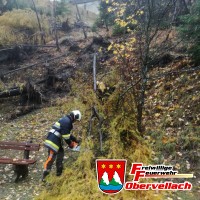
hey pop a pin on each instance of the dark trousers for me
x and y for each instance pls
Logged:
(52, 156)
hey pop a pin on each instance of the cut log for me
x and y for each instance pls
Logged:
(29, 94)
(32, 93)
(12, 92)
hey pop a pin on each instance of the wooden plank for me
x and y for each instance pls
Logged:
(16, 161)
(19, 143)
(94, 72)
(19, 146)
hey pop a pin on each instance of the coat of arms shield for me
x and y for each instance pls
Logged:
(110, 175)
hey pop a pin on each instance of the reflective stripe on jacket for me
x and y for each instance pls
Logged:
(60, 129)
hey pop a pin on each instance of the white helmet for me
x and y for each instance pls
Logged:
(77, 114)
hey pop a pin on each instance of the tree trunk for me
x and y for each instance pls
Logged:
(141, 100)
(84, 32)
(94, 72)
(17, 6)
(185, 8)
(55, 25)
(39, 24)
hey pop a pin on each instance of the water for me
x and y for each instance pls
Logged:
(111, 187)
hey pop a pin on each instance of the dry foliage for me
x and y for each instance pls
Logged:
(120, 140)
(18, 25)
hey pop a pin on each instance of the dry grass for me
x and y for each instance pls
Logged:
(18, 25)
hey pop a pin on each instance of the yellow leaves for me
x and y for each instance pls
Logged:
(133, 21)
(110, 9)
(194, 98)
(121, 22)
(159, 108)
(122, 50)
(171, 109)
(176, 106)
(129, 17)
(132, 40)
(100, 50)
(101, 86)
(128, 30)
(177, 166)
(157, 115)
(120, 9)
(124, 23)
(120, 13)
(166, 139)
(140, 12)
(110, 46)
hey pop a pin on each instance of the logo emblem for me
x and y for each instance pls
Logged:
(110, 175)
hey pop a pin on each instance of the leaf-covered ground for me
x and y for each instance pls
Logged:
(33, 126)
(173, 122)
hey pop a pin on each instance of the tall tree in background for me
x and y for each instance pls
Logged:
(55, 24)
(106, 17)
(8, 5)
(11, 4)
(62, 7)
(155, 24)
(1, 6)
(39, 24)
(190, 31)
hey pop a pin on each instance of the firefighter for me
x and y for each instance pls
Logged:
(54, 142)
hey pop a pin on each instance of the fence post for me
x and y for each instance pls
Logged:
(94, 71)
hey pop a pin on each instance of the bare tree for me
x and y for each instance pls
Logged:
(55, 25)
(39, 24)
(79, 18)
(155, 24)
(157, 16)
(155, 21)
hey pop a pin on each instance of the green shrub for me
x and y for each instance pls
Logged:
(118, 30)
(94, 28)
(104, 14)
(190, 31)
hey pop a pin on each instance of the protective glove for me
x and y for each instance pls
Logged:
(74, 146)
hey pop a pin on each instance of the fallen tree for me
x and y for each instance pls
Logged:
(11, 92)
(35, 64)
(28, 93)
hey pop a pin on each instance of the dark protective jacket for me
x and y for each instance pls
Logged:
(60, 130)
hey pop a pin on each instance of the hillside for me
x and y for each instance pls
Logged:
(172, 125)
(172, 121)
(51, 83)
